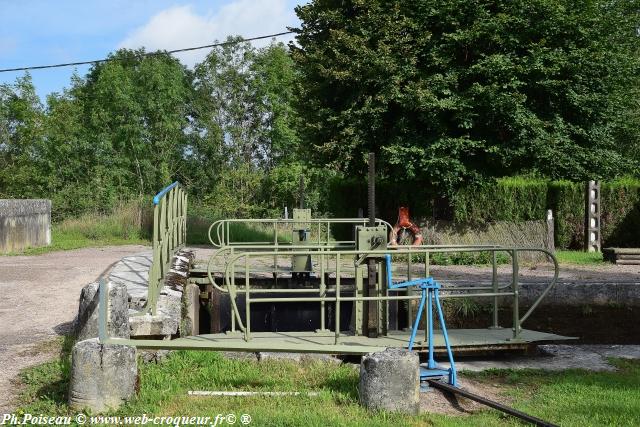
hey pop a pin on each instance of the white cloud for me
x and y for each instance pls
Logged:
(180, 27)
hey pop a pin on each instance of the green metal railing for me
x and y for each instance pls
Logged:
(169, 235)
(220, 233)
(243, 258)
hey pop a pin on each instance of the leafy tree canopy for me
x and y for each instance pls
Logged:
(449, 91)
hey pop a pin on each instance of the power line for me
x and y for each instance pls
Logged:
(187, 49)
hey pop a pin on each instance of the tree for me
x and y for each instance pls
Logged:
(244, 124)
(136, 116)
(21, 140)
(451, 91)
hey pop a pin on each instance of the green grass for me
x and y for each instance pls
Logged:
(198, 232)
(65, 240)
(576, 397)
(579, 257)
(572, 398)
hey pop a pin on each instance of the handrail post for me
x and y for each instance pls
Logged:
(337, 298)
(514, 285)
(427, 319)
(323, 291)
(231, 283)
(247, 301)
(494, 284)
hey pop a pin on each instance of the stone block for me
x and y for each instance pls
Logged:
(102, 376)
(86, 323)
(190, 311)
(390, 380)
(164, 323)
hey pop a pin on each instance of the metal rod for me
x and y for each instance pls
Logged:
(443, 328)
(337, 299)
(431, 363)
(323, 292)
(252, 393)
(414, 330)
(494, 283)
(372, 189)
(516, 307)
(495, 405)
(380, 298)
(247, 302)
(427, 320)
(103, 310)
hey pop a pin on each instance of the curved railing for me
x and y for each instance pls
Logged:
(494, 291)
(169, 235)
(220, 231)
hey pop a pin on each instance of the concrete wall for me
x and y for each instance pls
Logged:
(24, 223)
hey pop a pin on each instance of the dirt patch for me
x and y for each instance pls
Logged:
(39, 301)
(441, 402)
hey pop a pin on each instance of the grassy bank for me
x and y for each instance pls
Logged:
(127, 224)
(572, 398)
(579, 257)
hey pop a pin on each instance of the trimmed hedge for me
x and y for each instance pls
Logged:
(507, 199)
(520, 199)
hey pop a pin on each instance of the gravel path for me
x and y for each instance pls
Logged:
(38, 301)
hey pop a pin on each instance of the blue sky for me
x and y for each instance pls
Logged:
(39, 32)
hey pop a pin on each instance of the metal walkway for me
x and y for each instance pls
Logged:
(319, 342)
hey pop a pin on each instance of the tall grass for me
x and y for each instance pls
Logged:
(128, 223)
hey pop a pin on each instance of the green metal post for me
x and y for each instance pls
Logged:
(232, 283)
(328, 232)
(494, 284)
(247, 301)
(410, 292)
(514, 284)
(427, 320)
(323, 291)
(337, 310)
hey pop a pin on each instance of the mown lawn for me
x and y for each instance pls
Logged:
(579, 257)
(572, 398)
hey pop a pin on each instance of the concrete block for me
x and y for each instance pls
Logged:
(164, 323)
(24, 223)
(390, 380)
(102, 376)
(86, 323)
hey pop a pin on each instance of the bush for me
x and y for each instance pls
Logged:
(128, 221)
(506, 199)
(620, 213)
(566, 199)
(522, 199)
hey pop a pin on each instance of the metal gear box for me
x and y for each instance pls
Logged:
(371, 238)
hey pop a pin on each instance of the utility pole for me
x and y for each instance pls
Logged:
(372, 306)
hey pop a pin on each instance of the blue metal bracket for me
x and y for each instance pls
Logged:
(430, 295)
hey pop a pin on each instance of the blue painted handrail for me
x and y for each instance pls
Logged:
(157, 197)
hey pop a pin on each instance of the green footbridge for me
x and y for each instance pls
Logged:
(326, 295)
